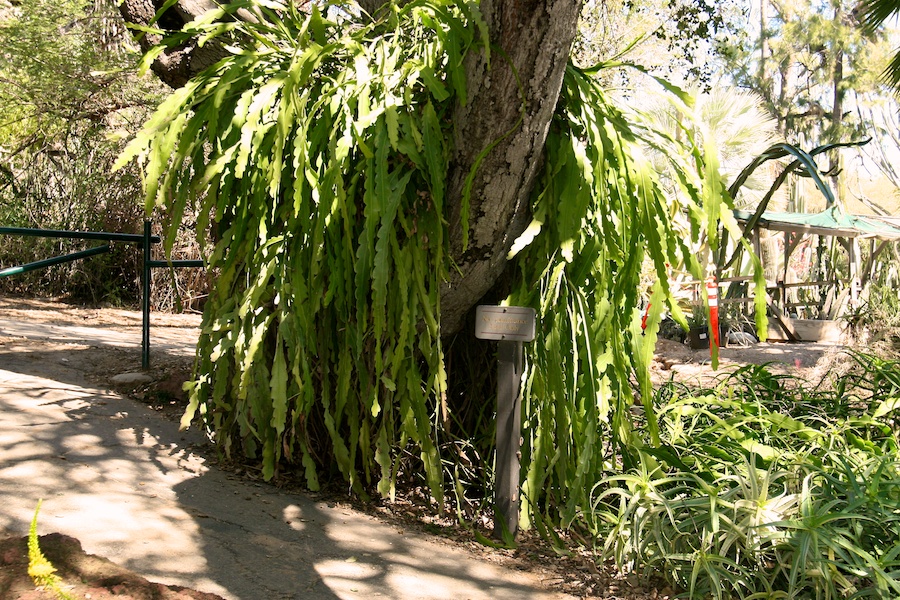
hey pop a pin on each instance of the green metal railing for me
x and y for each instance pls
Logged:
(145, 241)
(56, 260)
(148, 264)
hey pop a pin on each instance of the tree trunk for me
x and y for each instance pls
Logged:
(508, 111)
(838, 180)
(763, 41)
(177, 65)
(531, 40)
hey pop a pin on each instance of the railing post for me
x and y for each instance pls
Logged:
(145, 298)
(145, 241)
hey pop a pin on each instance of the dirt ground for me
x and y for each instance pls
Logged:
(82, 575)
(173, 335)
(807, 360)
(87, 576)
(673, 359)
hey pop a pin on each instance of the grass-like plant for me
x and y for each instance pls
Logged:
(762, 487)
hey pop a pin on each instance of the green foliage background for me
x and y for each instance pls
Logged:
(319, 149)
(69, 96)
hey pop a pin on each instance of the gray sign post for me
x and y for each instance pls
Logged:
(510, 326)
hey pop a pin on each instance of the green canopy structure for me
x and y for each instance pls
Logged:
(830, 222)
(838, 292)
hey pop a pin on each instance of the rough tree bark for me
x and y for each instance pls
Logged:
(510, 105)
(177, 65)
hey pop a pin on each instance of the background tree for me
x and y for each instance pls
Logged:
(676, 39)
(69, 96)
(814, 64)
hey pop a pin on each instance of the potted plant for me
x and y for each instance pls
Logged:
(698, 330)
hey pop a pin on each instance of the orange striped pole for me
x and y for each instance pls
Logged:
(712, 294)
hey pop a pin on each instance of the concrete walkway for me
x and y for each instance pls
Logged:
(127, 483)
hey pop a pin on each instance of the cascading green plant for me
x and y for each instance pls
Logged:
(318, 150)
(599, 214)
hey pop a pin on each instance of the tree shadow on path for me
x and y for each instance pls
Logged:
(133, 488)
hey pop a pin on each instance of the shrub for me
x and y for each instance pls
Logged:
(763, 488)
